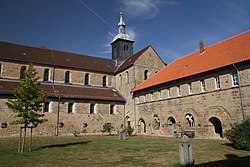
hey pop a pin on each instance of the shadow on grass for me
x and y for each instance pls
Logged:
(62, 145)
(231, 161)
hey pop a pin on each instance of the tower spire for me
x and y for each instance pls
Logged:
(121, 25)
(122, 44)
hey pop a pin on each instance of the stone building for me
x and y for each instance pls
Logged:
(204, 91)
(201, 93)
(83, 92)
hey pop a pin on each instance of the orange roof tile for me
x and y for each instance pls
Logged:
(232, 50)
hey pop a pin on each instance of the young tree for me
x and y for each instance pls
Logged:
(27, 105)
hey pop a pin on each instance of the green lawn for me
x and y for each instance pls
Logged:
(110, 151)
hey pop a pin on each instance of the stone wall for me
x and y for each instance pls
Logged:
(206, 109)
(80, 120)
(128, 79)
(11, 70)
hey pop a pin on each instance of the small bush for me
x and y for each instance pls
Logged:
(129, 130)
(76, 133)
(107, 128)
(239, 135)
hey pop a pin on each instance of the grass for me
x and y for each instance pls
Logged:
(110, 151)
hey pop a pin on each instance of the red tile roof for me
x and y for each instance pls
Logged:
(29, 54)
(232, 50)
(68, 91)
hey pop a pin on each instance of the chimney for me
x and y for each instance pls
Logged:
(202, 47)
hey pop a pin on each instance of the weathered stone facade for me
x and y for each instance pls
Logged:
(205, 103)
(208, 112)
(80, 118)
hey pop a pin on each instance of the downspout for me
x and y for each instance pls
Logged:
(132, 94)
(57, 118)
(240, 93)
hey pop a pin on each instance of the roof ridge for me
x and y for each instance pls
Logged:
(229, 38)
(144, 49)
(34, 47)
(236, 35)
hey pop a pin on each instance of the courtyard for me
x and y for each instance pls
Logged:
(110, 151)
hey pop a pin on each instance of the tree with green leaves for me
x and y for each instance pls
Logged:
(28, 105)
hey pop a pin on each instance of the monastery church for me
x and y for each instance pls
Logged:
(203, 92)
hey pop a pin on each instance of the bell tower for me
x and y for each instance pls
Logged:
(122, 44)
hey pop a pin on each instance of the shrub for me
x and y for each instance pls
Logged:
(239, 135)
(107, 128)
(129, 130)
(76, 133)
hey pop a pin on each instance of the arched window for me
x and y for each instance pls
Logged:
(86, 79)
(70, 107)
(145, 74)
(104, 81)
(46, 75)
(46, 107)
(190, 120)
(156, 123)
(22, 72)
(67, 77)
(127, 77)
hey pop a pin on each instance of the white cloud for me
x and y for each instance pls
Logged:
(132, 33)
(145, 9)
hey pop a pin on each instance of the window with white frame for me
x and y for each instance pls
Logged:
(46, 75)
(92, 108)
(144, 98)
(46, 106)
(169, 92)
(235, 80)
(86, 79)
(159, 94)
(70, 108)
(112, 109)
(22, 72)
(217, 82)
(203, 86)
(67, 77)
(104, 81)
(179, 90)
(151, 97)
(190, 89)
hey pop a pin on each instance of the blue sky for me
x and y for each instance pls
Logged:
(173, 27)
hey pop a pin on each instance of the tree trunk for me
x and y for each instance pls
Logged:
(30, 144)
(20, 140)
(24, 139)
